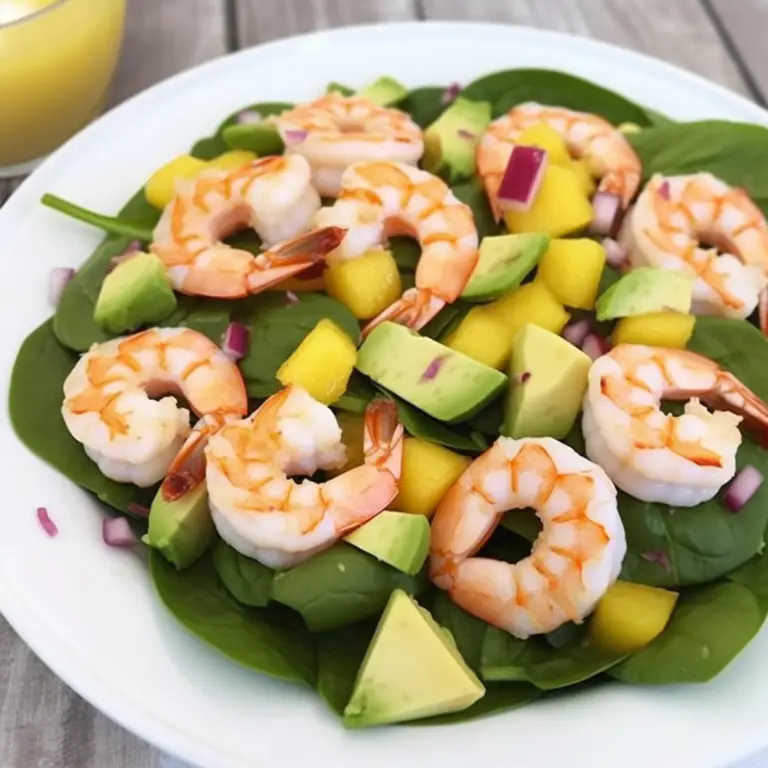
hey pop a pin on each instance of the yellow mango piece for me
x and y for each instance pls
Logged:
(352, 428)
(231, 161)
(530, 303)
(560, 208)
(581, 170)
(656, 329)
(483, 336)
(161, 187)
(571, 269)
(366, 285)
(429, 470)
(322, 363)
(629, 616)
(627, 128)
(545, 137)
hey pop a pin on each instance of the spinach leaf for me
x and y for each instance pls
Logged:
(514, 86)
(406, 252)
(122, 226)
(709, 628)
(254, 138)
(340, 586)
(224, 139)
(473, 194)
(735, 152)
(269, 640)
(467, 631)
(249, 582)
(445, 321)
(277, 329)
(340, 653)
(35, 398)
(424, 105)
(359, 393)
(489, 420)
(344, 90)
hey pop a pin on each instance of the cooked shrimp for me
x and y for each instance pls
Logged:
(653, 456)
(378, 200)
(609, 155)
(671, 218)
(336, 131)
(108, 405)
(265, 514)
(272, 195)
(576, 557)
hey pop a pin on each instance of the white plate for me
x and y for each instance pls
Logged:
(91, 614)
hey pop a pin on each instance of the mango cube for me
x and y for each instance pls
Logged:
(429, 470)
(571, 269)
(545, 137)
(581, 170)
(629, 616)
(231, 161)
(352, 428)
(560, 208)
(366, 285)
(483, 336)
(656, 329)
(322, 363)
(161, 187)
(530, 303)
(628, 128)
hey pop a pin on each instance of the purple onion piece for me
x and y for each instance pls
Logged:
(431, 371)
(658, 557)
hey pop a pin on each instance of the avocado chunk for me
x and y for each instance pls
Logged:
(262, 138)
(646, 290)
(412, 669)
(135, 293)
(399, 539)
(384, 91)
(445, 384)
(450, 142)
(503, 263)
(180, 527)
(549, 379)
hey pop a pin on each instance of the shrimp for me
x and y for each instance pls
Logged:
(336, 131)
(653, 456)
(382, 199)
(274, 196)
(609, 155)
(576, 557)
(108, 405)
(264, 514)
(671, 218)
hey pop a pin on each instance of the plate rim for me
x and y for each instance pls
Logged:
(70, 668)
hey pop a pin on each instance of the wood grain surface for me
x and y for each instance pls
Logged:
(42, 723)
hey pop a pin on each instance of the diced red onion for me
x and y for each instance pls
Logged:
(313, 272)
(451, 93)
(291, 298)
(462, 134)
(133, 248)
(522, 178)
(248, 117)
(616, 253)
(292, 136)
(235, 342)
(58, 279)
(664, 190)
(576, 332)
(743, 488)
(521, 378)
(116, 532)
(762, 311)
(595, 346)
(433, 368)
(45, 521)
(137, 509)
(606, 213)
(658, 557)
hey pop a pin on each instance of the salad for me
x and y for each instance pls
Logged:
(436, 400)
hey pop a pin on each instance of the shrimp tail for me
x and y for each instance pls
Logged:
(414, 309)
(292, 257)
(731, 395)
(383, 437)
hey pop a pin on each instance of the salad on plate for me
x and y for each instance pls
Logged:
(436, 400)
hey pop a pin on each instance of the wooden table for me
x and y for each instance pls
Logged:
(42, 723)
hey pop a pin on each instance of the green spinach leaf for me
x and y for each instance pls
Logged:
(35, 398)
(249, 582)
(269, 640)
(467, 631)
(424, 104)
(121, 226)
(473, 194)
(340, 586)
(276, 330)
(514, 86)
